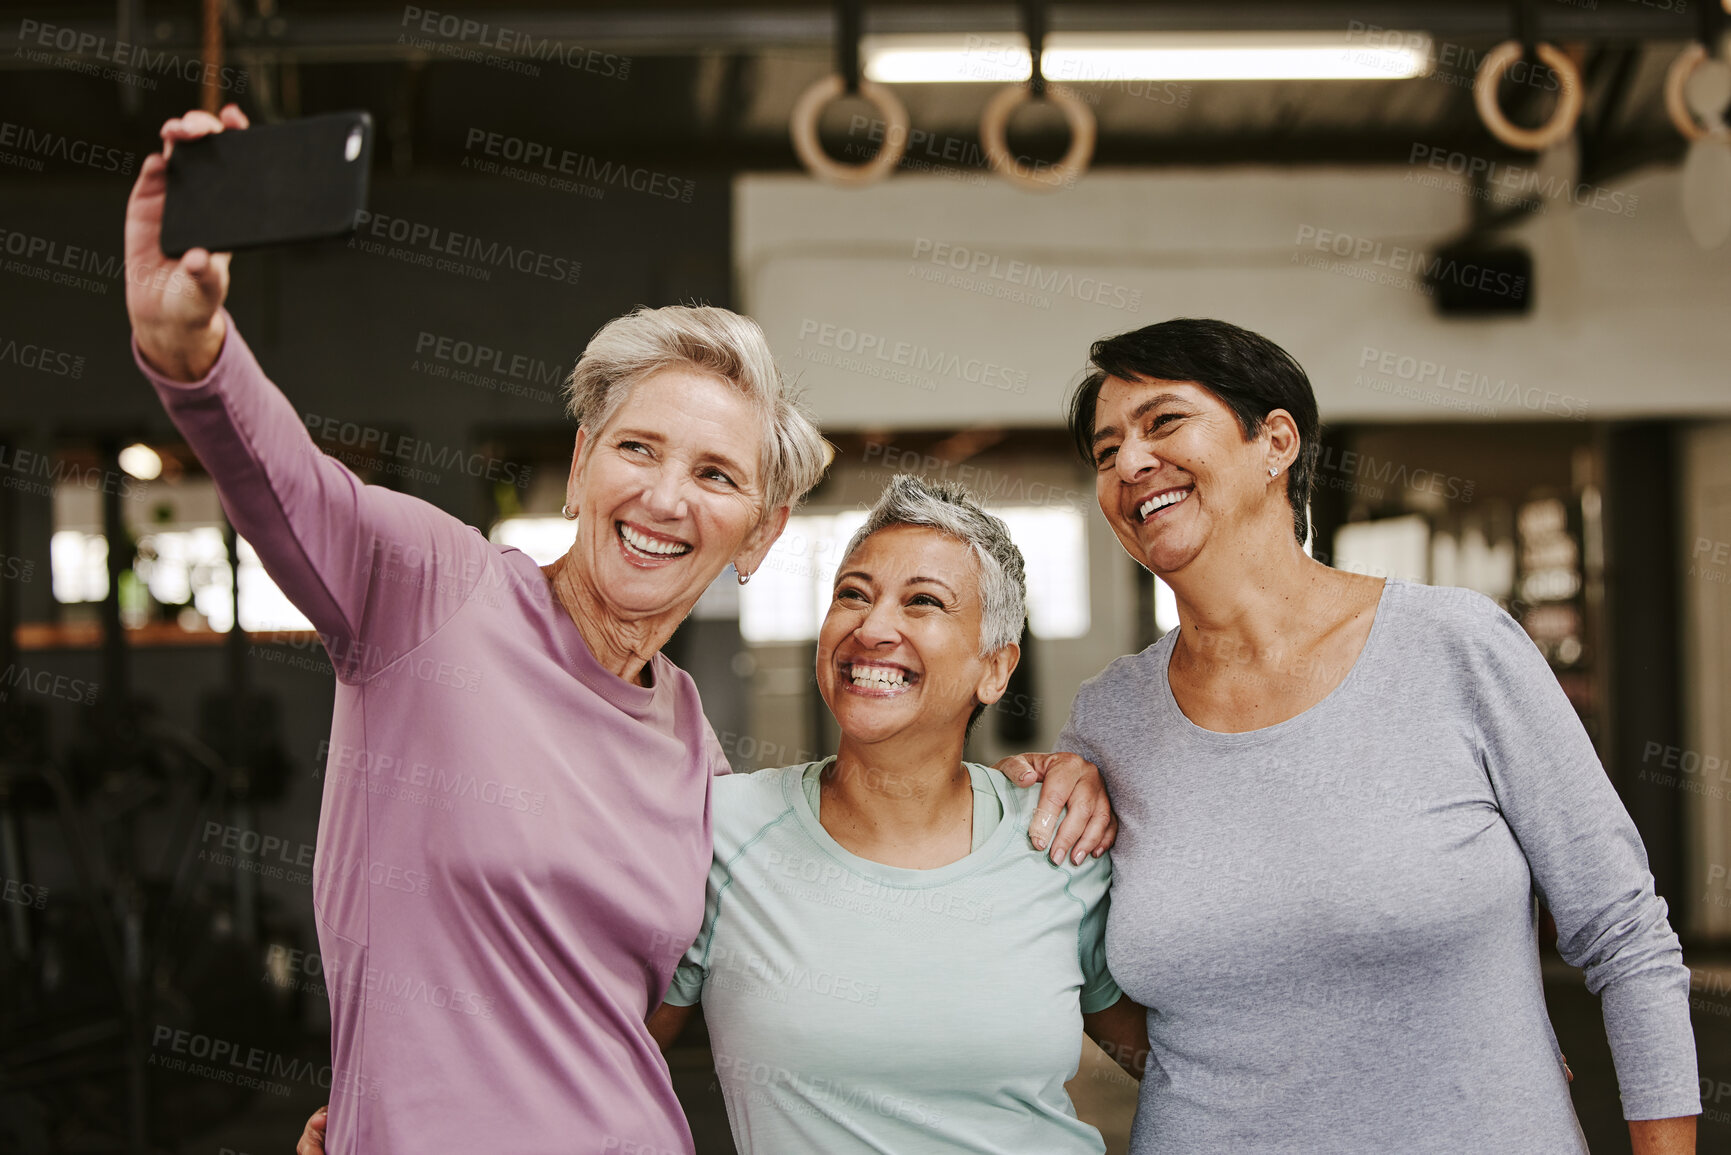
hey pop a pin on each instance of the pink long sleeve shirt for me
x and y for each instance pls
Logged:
(514, 841)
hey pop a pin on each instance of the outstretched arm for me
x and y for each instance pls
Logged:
(1068, 782)
(376, 571)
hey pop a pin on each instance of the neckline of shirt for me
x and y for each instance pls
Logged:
(1168, 703)
(902, 877)
(580, 660)
(988, 808)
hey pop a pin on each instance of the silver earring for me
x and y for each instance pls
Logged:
(566, 510)
(743, 576)
(1273, 471)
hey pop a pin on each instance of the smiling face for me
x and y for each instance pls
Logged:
(899, 651)
(1174, 470)
(670, 492)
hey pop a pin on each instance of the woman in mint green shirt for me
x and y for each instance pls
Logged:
(886, 965)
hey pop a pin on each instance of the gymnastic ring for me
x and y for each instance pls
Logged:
(1676, 80)
(994, 122)
(1563, 117)
(802, 125)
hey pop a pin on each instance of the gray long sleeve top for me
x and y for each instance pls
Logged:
(1331, 918)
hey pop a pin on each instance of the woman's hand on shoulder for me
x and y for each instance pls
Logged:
(1072, 783)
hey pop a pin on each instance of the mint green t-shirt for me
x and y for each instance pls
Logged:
(855, 1007)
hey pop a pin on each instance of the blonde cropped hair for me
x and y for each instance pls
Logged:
(628, 349)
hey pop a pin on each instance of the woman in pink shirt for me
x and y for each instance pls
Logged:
(515, 828)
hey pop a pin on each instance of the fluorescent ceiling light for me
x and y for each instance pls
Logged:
(1093, 58)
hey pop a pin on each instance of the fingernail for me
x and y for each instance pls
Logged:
(1039, 844)
(1077, 858)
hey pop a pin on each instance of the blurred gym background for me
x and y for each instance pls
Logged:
(1519, 339)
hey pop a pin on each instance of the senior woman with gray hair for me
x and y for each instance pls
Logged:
(516, 817)
(885, 965)
(515, 826)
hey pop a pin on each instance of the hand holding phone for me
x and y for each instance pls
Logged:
(295, 181)
(174, 303)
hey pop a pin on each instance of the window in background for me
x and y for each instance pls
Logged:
(544, 539)
(1165, 607)
(1396, 547)
(180, 573)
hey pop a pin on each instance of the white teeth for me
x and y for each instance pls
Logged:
(886, 676)
(1161, 501)
(645, 544)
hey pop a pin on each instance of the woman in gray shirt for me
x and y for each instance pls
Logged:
(1338, 797)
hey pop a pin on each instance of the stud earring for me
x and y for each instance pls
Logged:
(1273, 471)
(566, 510)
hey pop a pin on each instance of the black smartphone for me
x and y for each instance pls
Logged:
(297, 181)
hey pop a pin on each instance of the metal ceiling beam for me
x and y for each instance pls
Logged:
(384, 35)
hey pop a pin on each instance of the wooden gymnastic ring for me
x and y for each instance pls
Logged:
(1563, 117)
(802, 125)
(995, 120)
(1676, 80)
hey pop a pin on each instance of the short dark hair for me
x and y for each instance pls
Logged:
(1251, 375)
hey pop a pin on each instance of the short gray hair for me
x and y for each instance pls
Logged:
(952, 509)
(710, 340)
